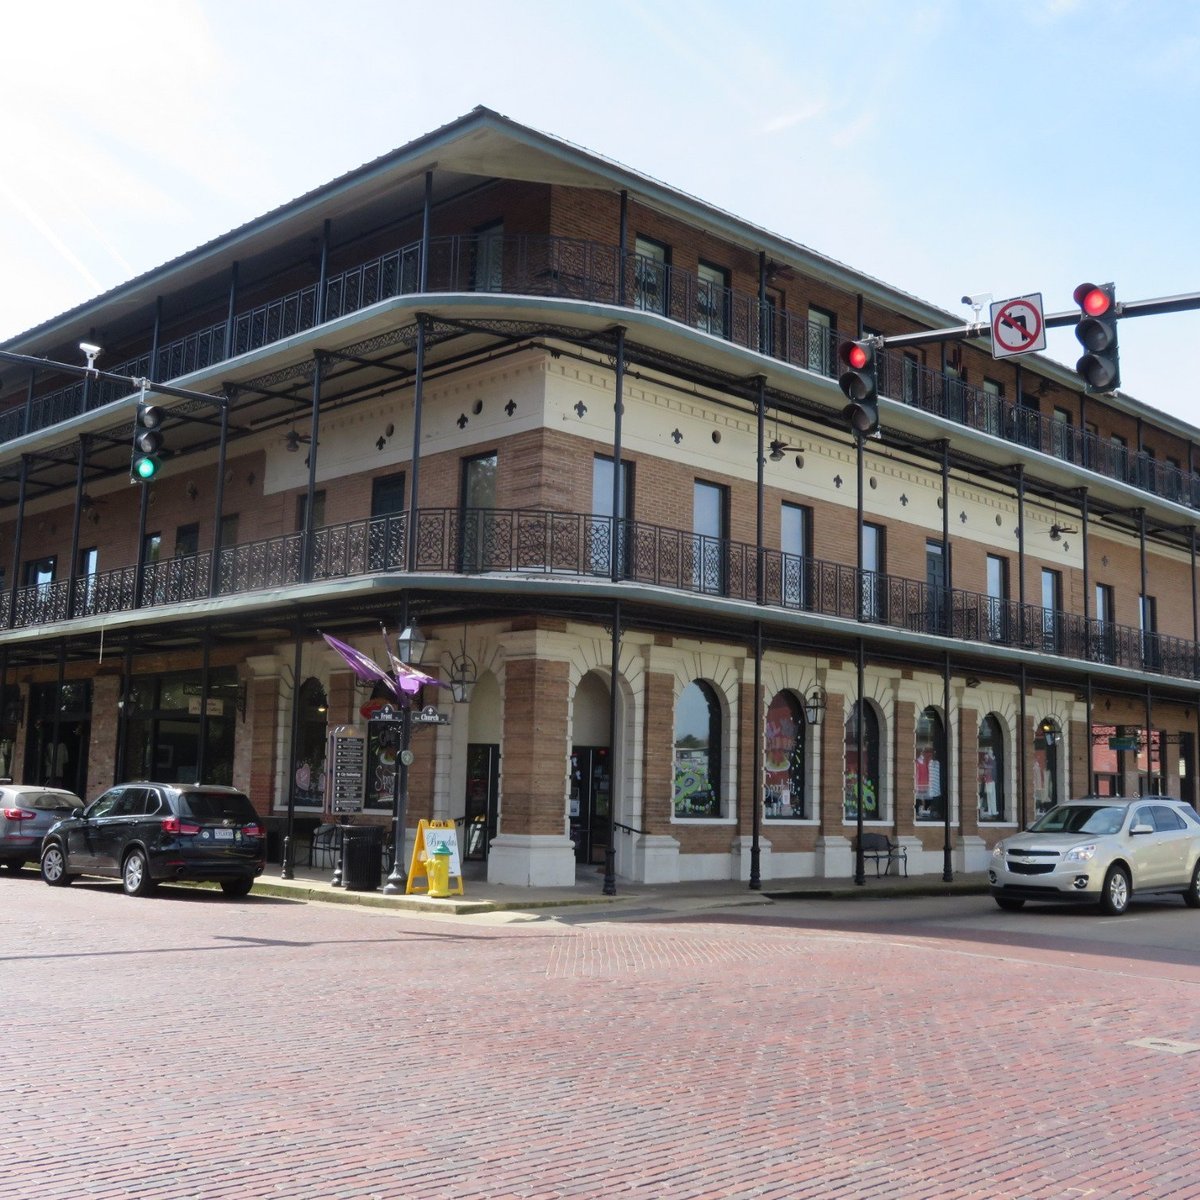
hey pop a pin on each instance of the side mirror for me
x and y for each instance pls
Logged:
(1140, 828)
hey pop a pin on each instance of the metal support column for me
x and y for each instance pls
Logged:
(139, 574)
(285, 869)
(73, 565)
(214, 566)
(616, 528)
(609, 887)
(414, 488)
(1090, 783)
(231, 314)
(322, 274)
(18, 531)
(949, 790)
(756, 795)
(306, 541)
(622, 248)
(1022, 736)
(205, 681)
(860, 874)
(397, 880)
(760, 495)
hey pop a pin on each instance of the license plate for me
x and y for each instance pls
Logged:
(223, 835)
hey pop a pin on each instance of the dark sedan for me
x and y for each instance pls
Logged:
(150, 833)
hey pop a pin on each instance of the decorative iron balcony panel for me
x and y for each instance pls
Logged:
(176, 580)
(41, 604)
(274, 562)
(106, 592)
(191, 353)
(275, 320)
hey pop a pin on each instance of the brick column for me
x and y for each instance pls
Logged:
(102, 750)
(904, 732)
(535, 746)
(830, 799)
(658, 754)
(967, 741)
(1080, 761)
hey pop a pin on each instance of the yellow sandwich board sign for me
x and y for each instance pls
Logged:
(431, 834)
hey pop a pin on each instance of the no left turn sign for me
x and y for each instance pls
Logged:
(1017, 326)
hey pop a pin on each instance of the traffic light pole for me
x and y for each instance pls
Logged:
(1126, 308)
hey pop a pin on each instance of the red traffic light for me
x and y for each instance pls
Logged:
(1093, 300)
(855, 355)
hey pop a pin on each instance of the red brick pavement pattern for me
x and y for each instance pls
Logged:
(187, 1047)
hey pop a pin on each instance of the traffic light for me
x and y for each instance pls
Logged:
(1100, 366)
(147, 442)
(859, 382)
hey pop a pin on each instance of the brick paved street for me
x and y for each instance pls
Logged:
(188, 1046)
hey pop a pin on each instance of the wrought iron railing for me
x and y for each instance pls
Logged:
(572, 268)
(524, 542)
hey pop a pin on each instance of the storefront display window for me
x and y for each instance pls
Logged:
(698, 752)
(862, 778)
(784, 793)
(311, 737)
(990, 771)
(929, 767)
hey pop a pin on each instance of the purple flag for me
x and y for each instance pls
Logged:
(407, 680)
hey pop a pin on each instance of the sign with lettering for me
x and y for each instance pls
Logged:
(346, 769)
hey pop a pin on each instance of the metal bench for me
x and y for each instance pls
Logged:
(879, 848)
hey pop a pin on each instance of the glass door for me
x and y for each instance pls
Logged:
(589, 802)
(483, 771)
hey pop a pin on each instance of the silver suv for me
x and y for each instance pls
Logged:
(1101, 850)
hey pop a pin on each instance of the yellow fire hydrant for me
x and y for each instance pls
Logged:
(437, 867)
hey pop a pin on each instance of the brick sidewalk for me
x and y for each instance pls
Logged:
(192, 1047)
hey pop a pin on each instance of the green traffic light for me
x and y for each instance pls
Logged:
(145, 468)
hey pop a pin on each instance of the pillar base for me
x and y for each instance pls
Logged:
(530, 860)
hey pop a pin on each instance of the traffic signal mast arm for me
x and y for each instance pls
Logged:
(1124, 308)
(134, 383)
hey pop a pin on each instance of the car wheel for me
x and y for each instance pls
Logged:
(1114, 899)
(54, 866)
(236, 887)
(1009, 903)
(1192, 896)
(135, 875)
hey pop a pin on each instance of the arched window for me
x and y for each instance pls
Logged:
(698, 752)
(868, 769)
(312, 729)
(784, 793)
(992, 803)
(1046, 744)
(930, 776)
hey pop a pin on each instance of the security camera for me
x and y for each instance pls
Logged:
(92, 352)
(966, 300)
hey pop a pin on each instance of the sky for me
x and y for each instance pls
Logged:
(946, 148)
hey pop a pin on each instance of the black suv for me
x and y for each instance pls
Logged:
(148, 833)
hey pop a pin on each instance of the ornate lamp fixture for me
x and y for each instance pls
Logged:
(814, 705)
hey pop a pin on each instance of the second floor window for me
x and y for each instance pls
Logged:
(712, 299)
(650, 263)
(710, 509)
(822, 331)
(795, 540)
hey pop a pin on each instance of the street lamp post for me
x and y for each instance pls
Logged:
(411, 649)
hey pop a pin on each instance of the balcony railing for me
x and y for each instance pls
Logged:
(523, 542)
(571, 268)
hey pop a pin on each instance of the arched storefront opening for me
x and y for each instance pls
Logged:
(590, 796)
(698, 752)
(308, 781)
(929, 767)
(862, 778)
(993, 803)
(785, 786)
(1046, 766)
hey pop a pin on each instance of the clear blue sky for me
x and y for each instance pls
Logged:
(941, 147)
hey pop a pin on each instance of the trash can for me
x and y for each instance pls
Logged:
(362, 855)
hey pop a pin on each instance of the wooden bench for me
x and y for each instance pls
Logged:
(879, 848)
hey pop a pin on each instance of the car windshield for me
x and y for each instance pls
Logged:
(1099, 819)
(217, 806)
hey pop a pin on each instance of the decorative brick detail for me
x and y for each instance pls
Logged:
(658, 754)
(830, 800)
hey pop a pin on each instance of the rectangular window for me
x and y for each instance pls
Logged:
(822, 333)
(602, 504)
(774, 325)
(318, 510)
(710, 515)
(1062, 436)
(1051, 608)
(873, 565)
(650, 263)
(1148, 614)
(712, 299)
(478, 519)
(151, 548)
(910, 386)
(487, 260)
(40, 571)
(997, 598)
(385, 533)
(1172, 479)
(1118, 457)
(229, 530)
(992, 400)
(187, 540)
(795, 537)
(1029, 421)
(1091, 444)
(1104, 629)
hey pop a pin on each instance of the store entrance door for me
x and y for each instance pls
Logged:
(483, 768)
(591, 792)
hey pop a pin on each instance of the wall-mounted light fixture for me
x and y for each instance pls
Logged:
(462, 673)
(814, 705)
